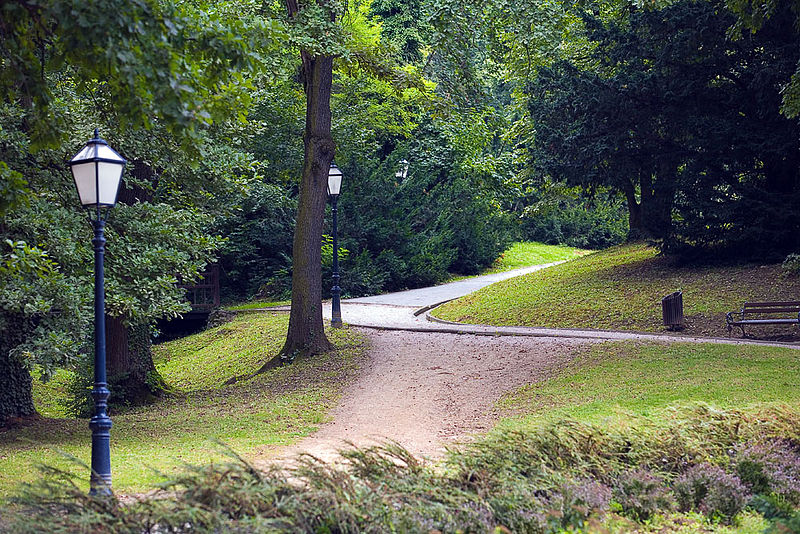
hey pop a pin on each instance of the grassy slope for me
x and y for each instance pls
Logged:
(524, 254)
(646, 390)
(253, 416)
(621, 288)
(257, 304)
(621, 379)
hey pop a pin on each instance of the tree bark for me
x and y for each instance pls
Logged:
(635, 226)
(306, 333)
(132, 375)
(16, 395)
(16, 399)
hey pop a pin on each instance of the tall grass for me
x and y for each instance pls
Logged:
(559, 476)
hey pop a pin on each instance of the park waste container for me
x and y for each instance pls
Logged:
(672, 310)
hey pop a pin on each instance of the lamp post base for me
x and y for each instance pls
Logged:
(336, 306)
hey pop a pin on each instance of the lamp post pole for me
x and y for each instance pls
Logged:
(97, 171)
(100, 422)
(336, 291)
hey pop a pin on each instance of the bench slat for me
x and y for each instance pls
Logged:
(765, 321)
(771, 310)
(772, 304)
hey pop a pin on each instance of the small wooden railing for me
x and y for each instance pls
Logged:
(204, 294)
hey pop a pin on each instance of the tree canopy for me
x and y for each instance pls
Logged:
(560, 121)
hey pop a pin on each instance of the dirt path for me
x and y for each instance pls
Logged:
(426, 390)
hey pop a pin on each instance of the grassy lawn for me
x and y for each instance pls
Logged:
(620, 380)
(527, 253)
(253, 416)
(621, 288)
(257, 304)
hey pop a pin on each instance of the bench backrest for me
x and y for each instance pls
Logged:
(787, 306)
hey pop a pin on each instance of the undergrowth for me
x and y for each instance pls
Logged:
(680, 471)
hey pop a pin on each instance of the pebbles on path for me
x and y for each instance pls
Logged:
(427, 390)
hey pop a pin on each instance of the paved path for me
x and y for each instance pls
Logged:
(428, 385)
(410, 310)
(430, 296)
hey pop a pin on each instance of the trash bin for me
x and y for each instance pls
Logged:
(672, 310)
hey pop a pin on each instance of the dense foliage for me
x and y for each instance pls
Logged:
(152, 76)
(532, 120)
(684, 122)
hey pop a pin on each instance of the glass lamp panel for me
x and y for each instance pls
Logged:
(334, 184)
(87, 152)
(84, 176)
(110, 174)
(106, 152)
(334, 180)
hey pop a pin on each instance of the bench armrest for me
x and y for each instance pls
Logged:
(729, 316)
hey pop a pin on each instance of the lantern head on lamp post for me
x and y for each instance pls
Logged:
(97, 171)
(402, 170)
(334, 187)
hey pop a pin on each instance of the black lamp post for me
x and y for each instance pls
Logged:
(97, 171)
(334, 187)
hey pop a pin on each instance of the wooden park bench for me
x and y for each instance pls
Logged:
(762, 313)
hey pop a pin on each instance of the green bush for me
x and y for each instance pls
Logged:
(571, 221)
(791, 265)
(258, 246)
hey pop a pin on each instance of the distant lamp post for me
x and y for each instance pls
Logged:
(402, 170)
(97, 171)
(334, 187)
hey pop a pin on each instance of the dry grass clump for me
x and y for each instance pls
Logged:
(694, 462)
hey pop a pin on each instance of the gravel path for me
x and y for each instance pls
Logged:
(427, 390)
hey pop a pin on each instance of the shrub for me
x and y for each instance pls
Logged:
(772, 467)
(641, 493)
(576, 501)
(791, 265)
(709, 489)
(360, 276)
(559, 218)
(772, 506)
(790, 525)
(549, 479)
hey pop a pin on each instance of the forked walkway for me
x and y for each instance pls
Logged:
(410, 310)
(427, 385)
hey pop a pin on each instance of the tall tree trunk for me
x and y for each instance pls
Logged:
(132, 376)
(16, 395)
(662, 201)
(16, 400)
(635, 227)
(306, 334)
